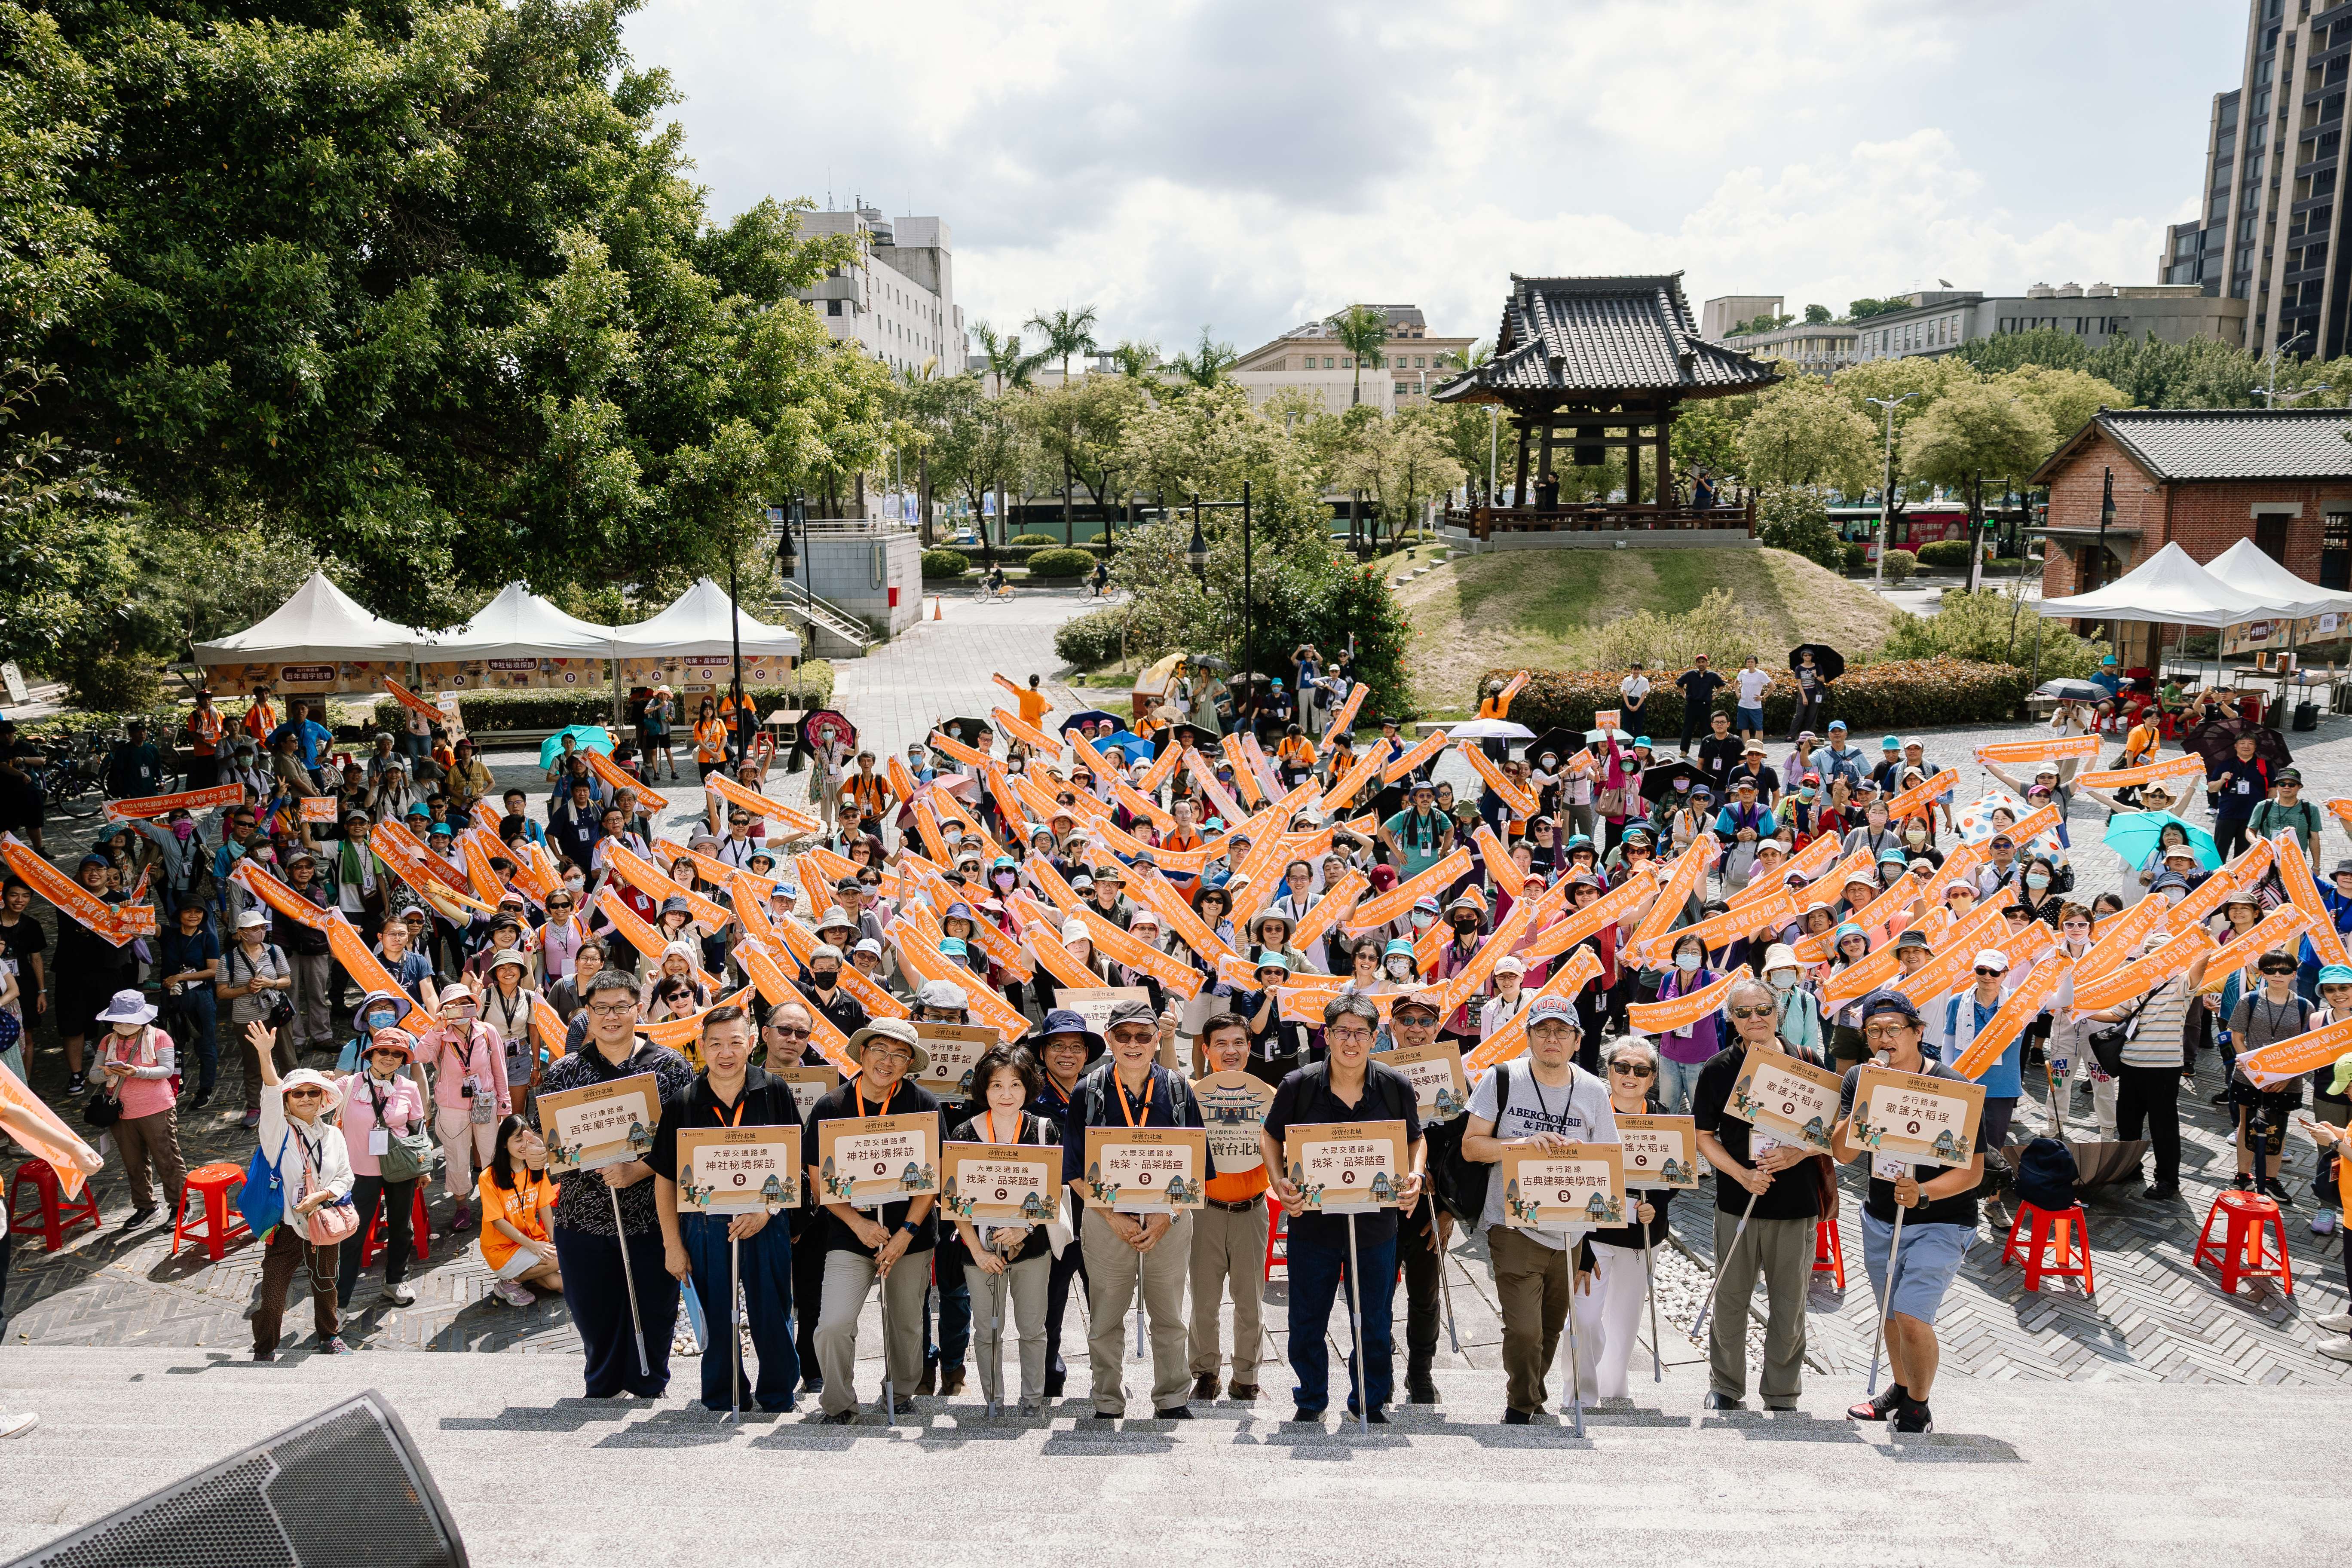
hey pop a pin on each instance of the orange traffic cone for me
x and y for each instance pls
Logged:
(935, 608)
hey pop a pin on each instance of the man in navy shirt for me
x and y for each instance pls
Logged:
(1699, 686)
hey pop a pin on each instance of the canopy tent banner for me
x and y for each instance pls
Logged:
(702, 624)
(320, 626)
(518, 641)
(521, 674)
(2170, 588)
(303, 677)
(2318, 615)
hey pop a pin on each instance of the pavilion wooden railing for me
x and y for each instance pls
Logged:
(1602, 517)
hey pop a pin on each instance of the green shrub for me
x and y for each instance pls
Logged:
(107, 681)
(1989, 625)
(811, 687)
(1945, 555)
(1897, 694)
(1040, 539)
(1790, 517)
(1900, 565)
(1061, 563)
(1718, 627)
(1091, 640)
(1852, 558)
(944, 563)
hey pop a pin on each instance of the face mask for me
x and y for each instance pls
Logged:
(1422, 922)
(127, 1031)
(1399, 968)
(824, 979)
(380, 1019)
(2037, 879)
(1807, 792)
(575, 883)
(1682, 785)
(1915, 835)
(1782, 979)
(1464, 928)
(183, 831)
(1686, 962)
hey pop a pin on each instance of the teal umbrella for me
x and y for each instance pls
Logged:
(2134, 837)
(592, 738)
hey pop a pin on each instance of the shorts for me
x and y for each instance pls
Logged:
(1748, 719)
(1931, 1256)
(520, 1262)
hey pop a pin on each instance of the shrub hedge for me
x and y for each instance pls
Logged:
(1039, 539)
(944, 563)
(490, 712)
(1949, 553)
(1061, 562)
(1091, 640)
(1852, 558)
(1899, 694)
(1901, 565)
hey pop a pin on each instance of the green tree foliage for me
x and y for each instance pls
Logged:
(1996, 628)
(1863, 310)
(2066, 399)
(1803, 433)
(1795, 519)
(426, 285)
(1364, 333)
(2146, 373)
(1206, 365)
(1817, 315)
(1974, 434)
(1404, 463)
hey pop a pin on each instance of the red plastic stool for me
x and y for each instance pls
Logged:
(2070, 1242)
(1278, 1240)
(221, 1224)
(2246, 1252)
(56, 1214)
(1828, 1252)
(422, 1232)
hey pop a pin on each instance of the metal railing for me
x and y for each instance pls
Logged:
(1602, 517)
(796, 600)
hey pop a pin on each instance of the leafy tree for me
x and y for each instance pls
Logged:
(1705, 435)
(1082, 426)
(1007, 366)
(1996, 628)
(1972, 432)
(1863, 310)
(2066, 398)
(1817, 315)
(1137, 360)
(1206, 366)
(1364, 333)
(1794, 518)
(1066, 333)
(1803, 433)
(1402, 462)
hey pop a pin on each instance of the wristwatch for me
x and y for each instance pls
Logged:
(906, 1228)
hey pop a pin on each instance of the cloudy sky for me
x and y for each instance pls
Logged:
(1252, 164)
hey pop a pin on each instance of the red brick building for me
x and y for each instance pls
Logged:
(2202, 478)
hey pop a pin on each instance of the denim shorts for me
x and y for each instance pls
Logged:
(1931, 1256)
(1748, 719)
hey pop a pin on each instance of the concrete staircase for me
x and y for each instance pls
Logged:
(831, 632)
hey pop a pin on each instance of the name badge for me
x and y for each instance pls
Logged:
(1890, 1168)
(379, 1141)
(1759, 1145)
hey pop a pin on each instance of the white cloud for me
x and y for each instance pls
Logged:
(1251, 165)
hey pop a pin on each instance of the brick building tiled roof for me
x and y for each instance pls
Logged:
(2222, 443)
(1569, 337)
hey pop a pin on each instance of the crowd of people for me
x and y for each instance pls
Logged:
(1612, 930)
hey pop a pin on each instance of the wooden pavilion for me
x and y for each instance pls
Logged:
(1597, 364)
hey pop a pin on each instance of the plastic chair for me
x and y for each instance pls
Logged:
(1829, 1251)
(1277, 1240)
(2246, 1252)
(2068, 1231)
(57, 1215)
(221, 1224)
(420, 1231)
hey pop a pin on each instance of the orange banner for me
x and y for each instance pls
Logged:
(2294, 872)
(48, 1137)
(1338, 901)
(1348, 786)
(1915, 801)
(2052, 747)
(1399, 901)
(657, 885)
(1258, 767)
(622, 919)
(2010, 1020)
(1502, 871)
(1861, 979)
(1427, 750)
(2275, 1064)
(2121, 938)
(2277, 929)
(1110, 940)
(1253, 788)
(1610, 909)
(1721, 930)
(1182, 920)
(149, 806)
(1521, 801)
(1345, 716)
(761, 805)
(1681, 1012)
(351, 949)
(61, 891)
(413, 702)
(620, 778)
(2146, 772)
(675, 1032)
(928, 963)
(1025, 732)
(1689, 867)
(1459, 990)
(2144, 975)
(1511, 1039)
(398, 850)
(279, 897)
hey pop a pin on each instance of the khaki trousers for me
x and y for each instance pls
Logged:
(847, 1277)
(152, 1139)
(1531, 1286)
(1229, 1249)
(1782, 1252)
(1115, 1272)
(1013, 1300)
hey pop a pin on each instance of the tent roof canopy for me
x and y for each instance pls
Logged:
(2245, 568)
(700, 624)
(2172, 588)
(517, 624)
(319, 622)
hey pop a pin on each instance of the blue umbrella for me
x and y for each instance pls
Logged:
(2134, 837)
(588, 738)
(1137, 748)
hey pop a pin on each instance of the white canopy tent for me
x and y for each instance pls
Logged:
(702, 622)
(517, 624)
(2245, 568)
(2171, 589)
(319, 623)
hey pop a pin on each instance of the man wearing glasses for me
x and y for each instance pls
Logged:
(1963, 1016)
(588, 1246)
(1941, 1220)
(788, 1035)
(1778, 1239)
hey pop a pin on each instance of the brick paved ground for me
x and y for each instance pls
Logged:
(2154, 1316)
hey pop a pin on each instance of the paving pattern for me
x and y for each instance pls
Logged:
(2155, 1317)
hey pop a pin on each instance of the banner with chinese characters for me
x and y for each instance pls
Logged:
(704, 673)
(1146, 1170)
(366, 676)
(1001, 1184)
(869, 1161)
(1341, 1167)
(739, 1169)
(1576, 1186)
(1914, 1118)
(601, 1124)
(516, 675)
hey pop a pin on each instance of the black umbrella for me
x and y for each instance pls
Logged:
(1207, 740)
(2066, 690)
(970, 732)
(1090, 717)
(1207, 661)
(2216, 741)
(1827, 659)
(1658, 779)
(1560, 744)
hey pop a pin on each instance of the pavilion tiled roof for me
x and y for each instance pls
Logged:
(1566, 338)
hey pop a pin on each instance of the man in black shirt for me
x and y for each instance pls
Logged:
(1719, 753)
(1776, 1186)
(572, 827)
(1752, 765)
(731, 1092)
(857, 1243)
(1936, 1232)
(1699, 686)
(1347, 1086)
(1065, 1049)
(842, 1010)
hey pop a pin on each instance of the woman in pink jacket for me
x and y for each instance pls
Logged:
(469, 1093)
(381, 1101)
(138, 1062)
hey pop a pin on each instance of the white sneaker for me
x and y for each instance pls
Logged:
(2335, 1322)
(2339, 1348)
(401, 1295)
(16, 1424)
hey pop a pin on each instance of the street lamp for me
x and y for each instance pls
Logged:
(2269, 390)
(1196, 554)
(1887, 485)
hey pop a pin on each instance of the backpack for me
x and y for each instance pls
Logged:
(2046, 1174)
(1459, 1183)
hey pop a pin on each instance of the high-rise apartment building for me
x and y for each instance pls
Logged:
(899, 303)
(2269, 231)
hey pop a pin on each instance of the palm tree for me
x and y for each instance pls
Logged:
(1068, 332)
(1363, 332)
(1135, 360)
(1205, 367)
(1004, 360)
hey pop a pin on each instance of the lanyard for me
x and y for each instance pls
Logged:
(1125, 1110)
(990, 1115)
(744, 1100)
(884, 1109)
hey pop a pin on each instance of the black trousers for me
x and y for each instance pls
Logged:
(1071, 1264)
(808, 1292)
(1417, 1251)
(366, 1191)
(2151, 1097)
(596, 1295)
(2231, 833)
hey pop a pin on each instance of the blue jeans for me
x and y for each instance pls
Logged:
(1677, 1082)
(1318, 1271)
(767, 1260)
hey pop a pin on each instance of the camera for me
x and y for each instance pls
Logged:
(466, 1089)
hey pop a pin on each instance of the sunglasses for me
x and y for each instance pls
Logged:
(1991, 972)
(306, 1094)
(1631, 1070)
(1749, 1012)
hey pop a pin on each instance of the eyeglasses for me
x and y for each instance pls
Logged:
(1749, 1012)
(1886, 1031)
(1352, 1036)
(875, 1054)
(1631, 1070)
(612, 1009)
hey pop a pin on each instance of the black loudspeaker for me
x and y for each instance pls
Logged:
(2306, 715)
(344, 1490)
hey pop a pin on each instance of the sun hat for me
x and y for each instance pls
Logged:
(1069, 1021)
(893, 1029)
(311, 1078)
(128, 1007)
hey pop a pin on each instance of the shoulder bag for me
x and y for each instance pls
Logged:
(406, 1155)
(2107, 1041)
(329, 1224)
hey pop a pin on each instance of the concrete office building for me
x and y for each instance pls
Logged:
(1939, 320)
(2267, 233)
(898, 304)
(1310, 357)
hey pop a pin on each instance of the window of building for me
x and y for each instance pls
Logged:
(833, 307)
(1326, 362)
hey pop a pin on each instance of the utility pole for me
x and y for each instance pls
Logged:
(1887, 485)
(2269, 389)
